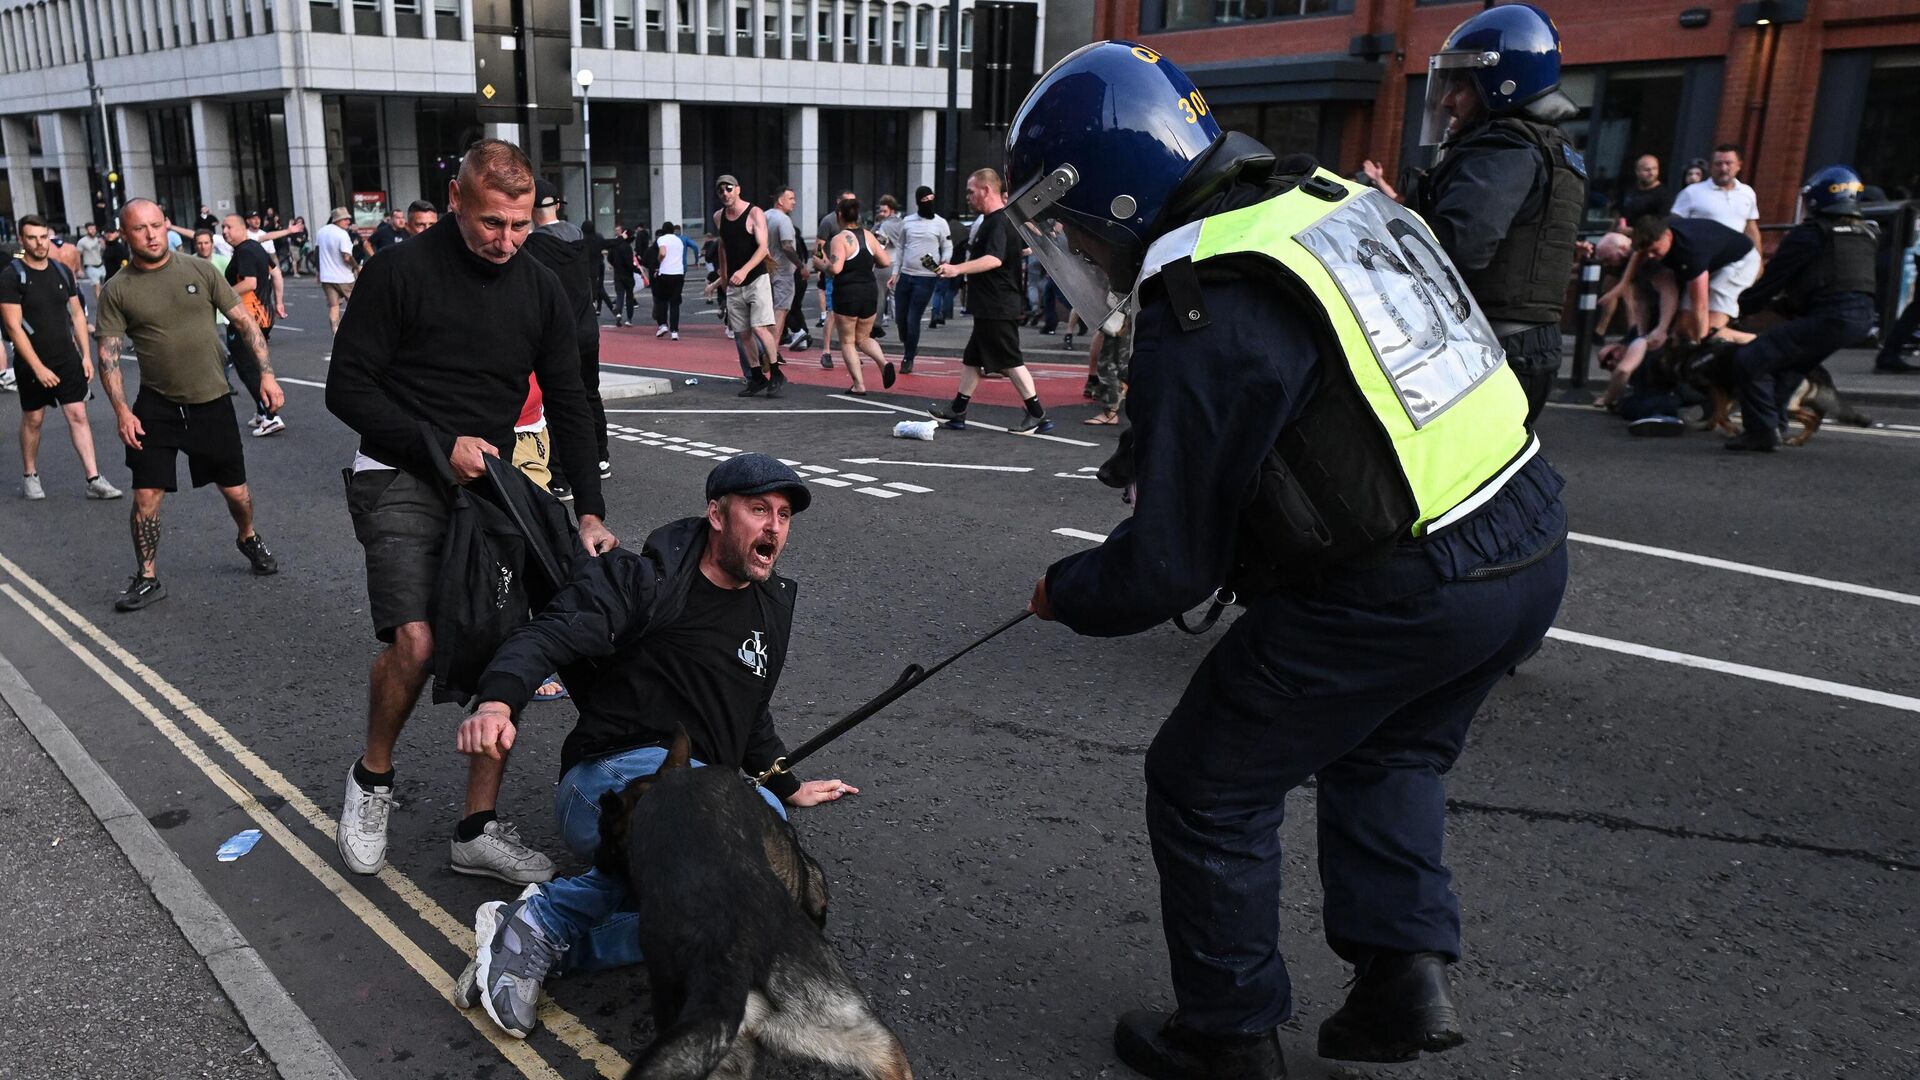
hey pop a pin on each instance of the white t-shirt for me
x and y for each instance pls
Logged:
(673, 254)
(334, 244)
(1732, 207)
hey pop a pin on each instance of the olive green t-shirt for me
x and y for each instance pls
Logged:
(168, 312)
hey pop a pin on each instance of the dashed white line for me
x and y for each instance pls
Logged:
(828, 481)
(878, 493)
(915, 489)
(817, 469)
(861, 477)
(1747, 568)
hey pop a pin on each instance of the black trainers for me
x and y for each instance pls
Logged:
(1399, 1006)
(255, 549)
(1756, 442)
(826, 361)
(956, 421)
(755, 385)
(778, 383)
(1032, 425)
(141, 592)
(887, 375)
(1154, 1044)
(561, 492)
(879, 332)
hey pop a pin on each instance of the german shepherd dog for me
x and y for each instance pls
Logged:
(731, 911)
(1709, 370)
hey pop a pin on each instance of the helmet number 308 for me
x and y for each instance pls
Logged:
(1193, 107)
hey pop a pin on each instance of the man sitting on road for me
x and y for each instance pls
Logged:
(690, 631)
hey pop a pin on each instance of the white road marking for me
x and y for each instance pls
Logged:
(1076, 476)
(828, 481)
(1705, 663)
(937, 464)
(301, 382)
(674, 371)
(817, 469)
(1748, 568)
(563, 1024)
(788, 462)
(1884, 431)
(727, 449)
(629, 438)
(700, 453)
(861, 477)
(879, 493)
(922, 413)
(915, 489)
(704, 445)
(748, 412)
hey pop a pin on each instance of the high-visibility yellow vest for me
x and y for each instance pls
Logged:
(1411, 337)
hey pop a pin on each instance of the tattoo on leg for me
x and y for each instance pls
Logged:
(146, 538)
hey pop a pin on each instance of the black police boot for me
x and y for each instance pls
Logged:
(1154, 1044)
(1398, 1007)
(1753, 441)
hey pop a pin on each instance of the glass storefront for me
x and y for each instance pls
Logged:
(1300, 127)
(176, 180)
(1864, 117)
(259, 133)
(746, 142)
(863, 151)
(446, 127)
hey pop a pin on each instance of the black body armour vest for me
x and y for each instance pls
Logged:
(1527, 280)
(1849, 250)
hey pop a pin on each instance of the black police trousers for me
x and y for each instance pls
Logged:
(1368, 683)
(1768, 369)
(1534, 356)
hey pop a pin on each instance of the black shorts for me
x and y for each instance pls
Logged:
(402, 523)
(34, 397)
(994, 345)
(207, 433)
(854, 303)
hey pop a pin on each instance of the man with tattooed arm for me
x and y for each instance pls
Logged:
(164, 302)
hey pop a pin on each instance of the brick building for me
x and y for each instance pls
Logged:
(1801, 83)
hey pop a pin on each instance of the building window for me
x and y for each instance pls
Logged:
(366, 17)
(1199, 14)
(258, 130)
(445, 127)
(325, 15)
(176, 181)
(1287, 127)
(1864, 116)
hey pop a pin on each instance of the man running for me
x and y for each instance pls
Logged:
(993, 292)
(742, 264)
(249, 271)
(162, 301)
(40, 307)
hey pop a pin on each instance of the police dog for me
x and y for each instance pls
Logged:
(731, 911)
(1710, 371)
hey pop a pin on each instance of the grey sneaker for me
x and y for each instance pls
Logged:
(363, 826)
(512, 958)
(30, 487)
(98, 488)
(8, 381)
(498, 853)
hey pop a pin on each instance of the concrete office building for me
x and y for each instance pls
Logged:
(242, 104)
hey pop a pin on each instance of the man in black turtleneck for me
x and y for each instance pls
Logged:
(439, 343)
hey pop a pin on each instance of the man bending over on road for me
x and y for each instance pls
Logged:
(165, 303)
(691, 631)
(40, 308)
(743, 265)
(446, 329)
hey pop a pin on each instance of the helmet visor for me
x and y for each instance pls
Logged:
(1446, 72)
(1093, 261)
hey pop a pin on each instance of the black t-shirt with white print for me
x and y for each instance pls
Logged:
(708, 671)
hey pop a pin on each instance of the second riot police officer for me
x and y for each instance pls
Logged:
(1822, 276)
(1323, 423)
(1506, 193)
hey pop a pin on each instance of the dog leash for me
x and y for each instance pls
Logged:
(913, 676)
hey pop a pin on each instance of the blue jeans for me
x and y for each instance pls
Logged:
(910, 299)
(943, 299)
(589, 913)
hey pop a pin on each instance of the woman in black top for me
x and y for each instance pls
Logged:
(852, 255)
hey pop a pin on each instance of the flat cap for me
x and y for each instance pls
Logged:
(757, 474)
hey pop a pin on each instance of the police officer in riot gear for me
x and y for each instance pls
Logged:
(1323, 423)
(1822, 276)
(1507, 189)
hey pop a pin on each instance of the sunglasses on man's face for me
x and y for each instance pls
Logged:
(726, 187)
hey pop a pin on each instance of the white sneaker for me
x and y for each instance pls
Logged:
(498, 853)
(98, 488)
(675, 336)
(272, 425)
(662, 332)
(606, 470)
(8, 381)
(31, 488)
(363, 826)
(258, 419)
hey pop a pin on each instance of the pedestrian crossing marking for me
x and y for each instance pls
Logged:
(878, 493)
(861, 478)
(829, 481)
(821, 469)
(915, 489)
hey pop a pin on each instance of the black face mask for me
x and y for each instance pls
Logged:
(926, 209)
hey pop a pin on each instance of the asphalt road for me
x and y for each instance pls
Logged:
(1667, 868)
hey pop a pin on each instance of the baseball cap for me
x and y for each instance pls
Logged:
(338, 213)
(545, 194)
(757, 474)
(726, 178)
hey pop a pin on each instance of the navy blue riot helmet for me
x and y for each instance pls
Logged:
(1833, 190)
(1094, 155)
(1509, 55)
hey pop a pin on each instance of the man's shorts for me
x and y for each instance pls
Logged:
(782, 289)
(97, 274)
(207, 433)
(750, 305)
(530, 452)
(1726, 285)
(994, 346)
(337, 290)
(72, 388)
(401, 521)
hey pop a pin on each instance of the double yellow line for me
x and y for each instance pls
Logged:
(562, 1024)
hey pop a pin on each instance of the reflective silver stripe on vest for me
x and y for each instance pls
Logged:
(1425, 329)
(1487, 490)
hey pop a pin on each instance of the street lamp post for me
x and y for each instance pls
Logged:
(585, 78)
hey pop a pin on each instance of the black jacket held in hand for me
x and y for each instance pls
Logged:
(508, 549)
(596, 628)
(435, 333)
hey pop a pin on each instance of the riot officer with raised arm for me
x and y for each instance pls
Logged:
(1823, 277)
(1507, 189)
(1325, 425)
